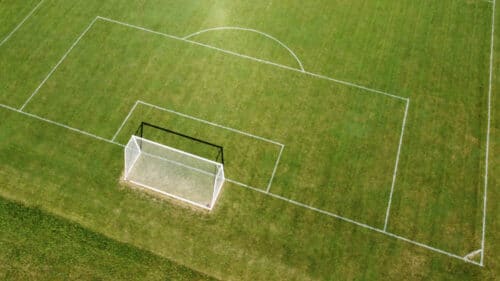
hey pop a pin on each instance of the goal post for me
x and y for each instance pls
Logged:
(132, 152)
(173, 172)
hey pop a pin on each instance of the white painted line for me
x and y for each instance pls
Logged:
(140, 28)
(21, 23)
(488, 126)
(394, 175)
(57, 65)
(256, 59)
(251, 30)
(275, 168)
(430, 248)
(471, 255)
(125, 120)
(60, 125)
(209, 123)
(355, 222)
(354, 85)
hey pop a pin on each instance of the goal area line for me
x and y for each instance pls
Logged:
(236, 131)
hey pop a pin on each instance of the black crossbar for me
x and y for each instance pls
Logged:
(220, 149)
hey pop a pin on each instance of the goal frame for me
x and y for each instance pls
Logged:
(133, 151)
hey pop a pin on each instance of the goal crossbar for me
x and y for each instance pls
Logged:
(219, 148)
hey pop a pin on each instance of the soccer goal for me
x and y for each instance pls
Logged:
(173, 172)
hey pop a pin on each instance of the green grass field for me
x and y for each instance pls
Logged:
(354, 135)
(39, 246)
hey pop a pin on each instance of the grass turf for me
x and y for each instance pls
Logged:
(340, 141)
(38, 246)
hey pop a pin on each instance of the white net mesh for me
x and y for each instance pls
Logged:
(132, 152)
(176, 173)
(219, 180)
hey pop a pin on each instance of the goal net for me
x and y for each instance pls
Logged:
(172, 172)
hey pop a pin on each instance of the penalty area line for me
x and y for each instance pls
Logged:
(338, 81)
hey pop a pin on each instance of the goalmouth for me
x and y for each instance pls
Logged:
(172, 172)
